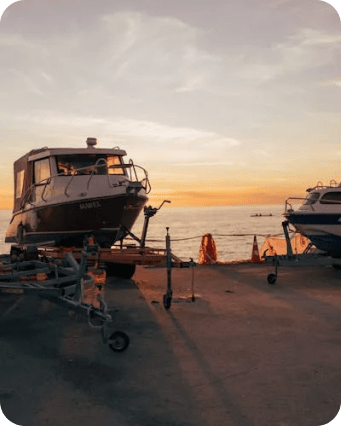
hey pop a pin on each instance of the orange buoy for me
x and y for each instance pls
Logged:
(255, 252)
(208, 251)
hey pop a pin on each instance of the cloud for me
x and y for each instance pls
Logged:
(120, 60)
(261, 153)
(213, 163)
(149, 141)
(164, 50)
(129, 128)
(304, 50)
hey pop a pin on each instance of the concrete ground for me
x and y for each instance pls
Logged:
(243, 353)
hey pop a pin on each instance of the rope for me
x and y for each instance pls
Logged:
(217, 235)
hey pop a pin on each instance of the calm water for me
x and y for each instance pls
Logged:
(193, 222)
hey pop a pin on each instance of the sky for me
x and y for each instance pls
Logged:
(223, 102)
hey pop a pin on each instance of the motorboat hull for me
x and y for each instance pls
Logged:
(322, 229)
(67, 223)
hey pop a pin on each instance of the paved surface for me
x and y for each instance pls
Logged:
(243, 353)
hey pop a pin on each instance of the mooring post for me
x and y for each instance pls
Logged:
(167, 298)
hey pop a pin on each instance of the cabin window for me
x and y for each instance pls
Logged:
(331, 198)
(312, 198)
(87, 164)
(42, 171)
(19, 183)
(112, 161)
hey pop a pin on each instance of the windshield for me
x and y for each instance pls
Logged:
(311, 199)
(84, 164)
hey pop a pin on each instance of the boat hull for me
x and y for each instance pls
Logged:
(322, 229)
(66, 224)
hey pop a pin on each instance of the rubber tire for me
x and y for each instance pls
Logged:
(336, 266)
(167, 300)
(119, 341)
(121, 270)
(272, 278)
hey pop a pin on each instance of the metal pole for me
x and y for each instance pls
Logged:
(192, 267)
(285, 225)
(145, 228)
(167, 298)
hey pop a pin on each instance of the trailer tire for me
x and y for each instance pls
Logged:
(119, 341)
(272, 278)
(121, 270)
(336, 266)
(167, 300)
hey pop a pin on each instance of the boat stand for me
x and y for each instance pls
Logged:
(63, 283)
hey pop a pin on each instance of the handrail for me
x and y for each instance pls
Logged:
(145, 183)
(97, 164)
(48, 180)
(147, 187)
(296, 198)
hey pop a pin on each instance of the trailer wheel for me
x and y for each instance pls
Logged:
(121, 270)
(272, 278)
(118, 341)
(336, 266)
(167, 300)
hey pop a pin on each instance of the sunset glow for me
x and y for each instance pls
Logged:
(223, 103)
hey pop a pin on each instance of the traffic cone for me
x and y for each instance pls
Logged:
(255, 252)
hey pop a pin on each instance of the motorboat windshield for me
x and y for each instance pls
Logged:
(311, 199)
(87, 164)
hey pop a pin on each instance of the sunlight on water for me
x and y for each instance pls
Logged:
(5, 217)
(189, 224)
(194, 222)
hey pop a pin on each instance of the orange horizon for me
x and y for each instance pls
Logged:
(209, 197)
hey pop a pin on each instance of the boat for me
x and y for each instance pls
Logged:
(319, 217)
(261, 215)
(62, 195)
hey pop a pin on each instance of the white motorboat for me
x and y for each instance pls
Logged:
(319, 217)
(62, 195)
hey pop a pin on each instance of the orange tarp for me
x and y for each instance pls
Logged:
(278, 246)
(208, 251)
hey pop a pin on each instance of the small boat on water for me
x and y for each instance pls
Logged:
(319, 217)
(261, 215)
(63, 194)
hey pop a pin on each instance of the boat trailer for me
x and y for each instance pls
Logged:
(65, 276)
(307, 258)
(64, 282)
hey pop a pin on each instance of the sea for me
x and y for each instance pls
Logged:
(232, 227)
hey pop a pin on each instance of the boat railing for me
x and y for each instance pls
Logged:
(133, 176)
(26, 198)
(320, 185)
(288, 203)
(103, 162)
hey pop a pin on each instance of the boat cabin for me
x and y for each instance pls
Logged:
(330, 197)
(34, 171)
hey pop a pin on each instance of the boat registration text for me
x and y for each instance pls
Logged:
(90, 205)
